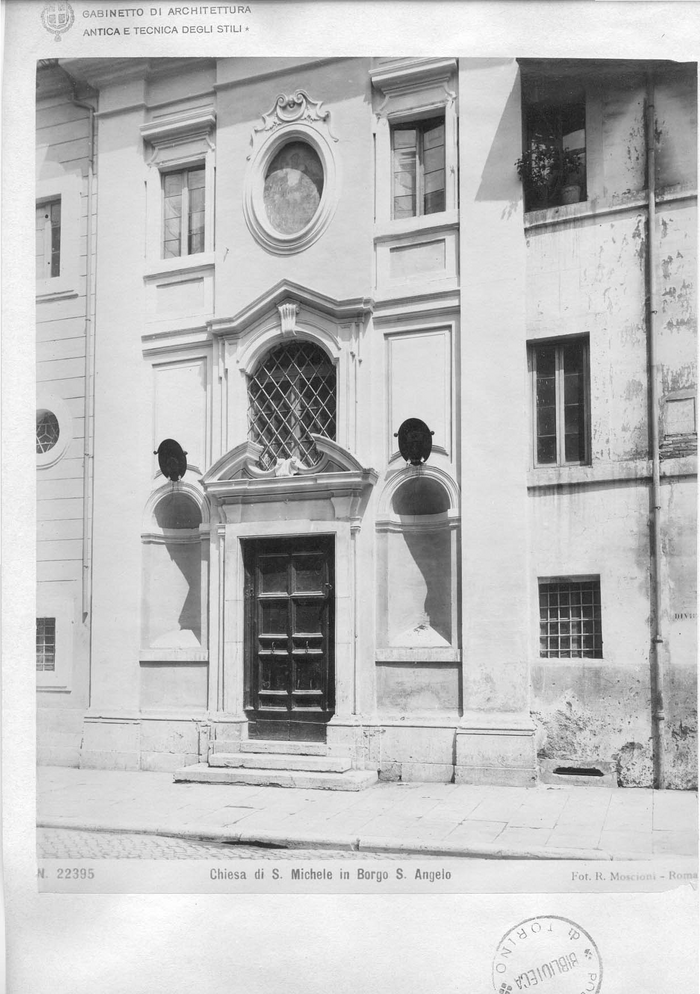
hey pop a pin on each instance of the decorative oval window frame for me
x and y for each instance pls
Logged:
(59, 408)
(278, 130)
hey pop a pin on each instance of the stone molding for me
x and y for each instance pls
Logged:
(292, 117)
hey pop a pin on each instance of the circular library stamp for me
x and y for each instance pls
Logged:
(549, 953)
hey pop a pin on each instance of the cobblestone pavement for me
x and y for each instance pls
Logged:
(62, 843)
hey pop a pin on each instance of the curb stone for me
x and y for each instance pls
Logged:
(308, 840)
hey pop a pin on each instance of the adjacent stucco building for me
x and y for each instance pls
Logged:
(275, 263)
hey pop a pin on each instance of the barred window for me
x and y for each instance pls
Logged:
(570, 623)
(46, 644)
(291, 396)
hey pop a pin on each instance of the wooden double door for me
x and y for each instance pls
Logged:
(289, 638)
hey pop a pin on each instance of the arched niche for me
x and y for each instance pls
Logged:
(174, 608)
(417, 611)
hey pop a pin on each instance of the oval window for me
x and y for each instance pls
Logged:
(293, 187)
(47, 431)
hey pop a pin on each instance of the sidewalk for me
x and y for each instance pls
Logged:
(447, 819)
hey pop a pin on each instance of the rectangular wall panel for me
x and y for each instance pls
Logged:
(420, 383)
(181, 407)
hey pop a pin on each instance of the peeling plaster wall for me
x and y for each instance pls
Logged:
(586, 275)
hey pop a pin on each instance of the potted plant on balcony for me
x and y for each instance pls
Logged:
(550, 175)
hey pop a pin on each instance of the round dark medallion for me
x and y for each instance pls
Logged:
(415, 441)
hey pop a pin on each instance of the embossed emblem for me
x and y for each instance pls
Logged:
(57, 18)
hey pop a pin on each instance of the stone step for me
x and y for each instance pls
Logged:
(277, 761)
(202, 773)
(280, 746)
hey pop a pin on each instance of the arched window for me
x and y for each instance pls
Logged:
(292, 396)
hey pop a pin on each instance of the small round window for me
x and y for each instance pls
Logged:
(293, 187)
(47, 431)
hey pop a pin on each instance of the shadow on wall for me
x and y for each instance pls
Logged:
(173, 607)
(420, 577)
(499, 179)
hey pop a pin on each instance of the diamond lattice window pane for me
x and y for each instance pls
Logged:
(290, 398)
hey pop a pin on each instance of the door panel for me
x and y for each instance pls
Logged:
(289, 637)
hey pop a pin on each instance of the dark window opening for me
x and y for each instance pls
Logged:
(48, 239)
(553, 164)
(46, 645)
(291, 397)
(570, 619)
(418, 167)
(560, 388)
(578, 771)
(47, 431)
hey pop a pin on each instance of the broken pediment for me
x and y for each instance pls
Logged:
(238, 477)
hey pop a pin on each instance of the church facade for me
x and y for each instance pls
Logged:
(366, 415)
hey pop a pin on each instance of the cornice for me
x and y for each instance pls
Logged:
(347, 309)
(172, 128)
(403, 75)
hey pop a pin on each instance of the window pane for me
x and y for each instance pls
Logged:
(404, 138)
(405, 163)
(547, 450)
(48, 239)
(573, 451)
(433, 168)
(172, 184)
(40, 226)
(434, 136)
(195, 179)
(544, 361)
(172, 214)
(434, 160)
(434, 203)
(291, 396)
(546, 422)
(546, 391)
(46, 644)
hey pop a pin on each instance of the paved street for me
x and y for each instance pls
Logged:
(451, 819)
(64, 843)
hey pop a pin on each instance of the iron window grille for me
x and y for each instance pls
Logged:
(561, 404)
(45, 644)
(418, 166)
(183, 212)
(570, 619)
(291, 396)
(47, 431)
(48, 239)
